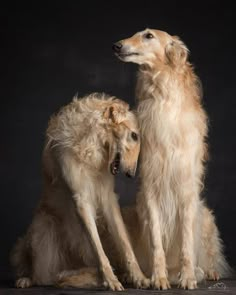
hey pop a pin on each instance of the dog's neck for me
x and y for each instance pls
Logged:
(164, 83)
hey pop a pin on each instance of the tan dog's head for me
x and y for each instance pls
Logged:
(124, 140)
(149, 46)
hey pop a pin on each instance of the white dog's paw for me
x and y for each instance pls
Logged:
(23, 282)
(111, 282)
(160, 283)
(136, 277)
(139, 280)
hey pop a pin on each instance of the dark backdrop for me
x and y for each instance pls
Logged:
(48, 54)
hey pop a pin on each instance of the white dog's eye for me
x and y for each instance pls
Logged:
(148, 36)
(134, 136)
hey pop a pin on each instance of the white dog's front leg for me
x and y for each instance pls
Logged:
(159, 272)
(187, 214)
(120, 236)
(83, 193)
(110, 279)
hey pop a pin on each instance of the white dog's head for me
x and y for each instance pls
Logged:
(149, 46)
(124, 140)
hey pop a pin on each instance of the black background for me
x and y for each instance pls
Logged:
(48, 54)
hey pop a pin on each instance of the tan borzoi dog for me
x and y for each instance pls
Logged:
(183, 237)
(86, 143)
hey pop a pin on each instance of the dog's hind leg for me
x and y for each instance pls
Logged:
(87, 277)
(21, 261)
(47, 251)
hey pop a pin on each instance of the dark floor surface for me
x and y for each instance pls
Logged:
(209, 287)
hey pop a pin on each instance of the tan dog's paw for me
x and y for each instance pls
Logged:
(186, 282)
(160, 283)
(212, 275)
(23, 282)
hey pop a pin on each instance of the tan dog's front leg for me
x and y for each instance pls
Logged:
(120, 236)
(110, 280)
(159, 272)
(187, 213)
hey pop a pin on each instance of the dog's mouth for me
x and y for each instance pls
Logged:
(126, 54)
(115, 165)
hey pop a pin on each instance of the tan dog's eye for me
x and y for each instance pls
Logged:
(149, 36)
(134, 136)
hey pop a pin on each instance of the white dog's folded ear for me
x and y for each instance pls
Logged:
(176, 52)
(117, 111)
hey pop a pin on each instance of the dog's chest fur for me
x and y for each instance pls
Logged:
(163, 131)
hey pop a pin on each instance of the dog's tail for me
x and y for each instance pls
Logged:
(87, 277)
(214, 262)
(221, 264)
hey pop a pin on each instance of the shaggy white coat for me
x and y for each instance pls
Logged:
(62, 245)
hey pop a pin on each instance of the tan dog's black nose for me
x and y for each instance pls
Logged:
(117, 47)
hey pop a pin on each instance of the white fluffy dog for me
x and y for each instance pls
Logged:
(86, 143)
(179, 232)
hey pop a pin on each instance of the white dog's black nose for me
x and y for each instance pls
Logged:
(117, 47)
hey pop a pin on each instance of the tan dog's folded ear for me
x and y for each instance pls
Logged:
(176, 52)
(116, 112)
